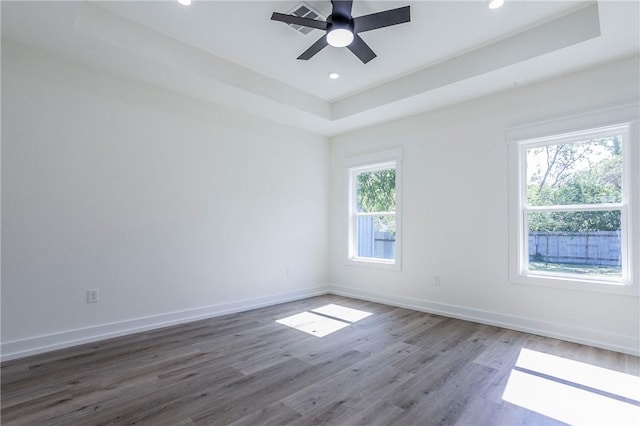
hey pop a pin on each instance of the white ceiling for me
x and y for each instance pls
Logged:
(231, 53)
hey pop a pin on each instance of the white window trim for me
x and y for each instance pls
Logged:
(520, 138)
(373, 161)
(523, 146)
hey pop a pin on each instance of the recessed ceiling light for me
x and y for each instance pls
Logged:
(184, 2)
(334, 76)
(494, 4)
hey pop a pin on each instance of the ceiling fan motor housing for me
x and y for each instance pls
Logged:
(336, 21)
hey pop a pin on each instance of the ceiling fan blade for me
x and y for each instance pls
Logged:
(315, 48)
(297, 20)
(361, 49)
(342, 8)
(382, 19)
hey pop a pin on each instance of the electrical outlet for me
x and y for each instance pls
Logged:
(436, 280)
(92, 295)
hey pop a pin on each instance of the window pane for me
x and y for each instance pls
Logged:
(585, 243)
(588, 172)
(376, 191)
(376, 237)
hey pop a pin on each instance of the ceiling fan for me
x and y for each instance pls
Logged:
(342, 29)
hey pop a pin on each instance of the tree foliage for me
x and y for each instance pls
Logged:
(575, 173)
(377, 191)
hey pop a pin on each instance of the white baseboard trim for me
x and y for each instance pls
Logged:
(39, 344)
(611, 341)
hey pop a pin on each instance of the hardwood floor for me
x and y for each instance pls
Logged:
(394, 367)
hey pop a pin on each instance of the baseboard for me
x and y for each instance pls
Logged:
(611, 341)
(40, 344)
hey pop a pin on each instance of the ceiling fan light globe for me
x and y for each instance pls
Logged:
(339, 37)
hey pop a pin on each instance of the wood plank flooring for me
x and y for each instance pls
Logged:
(394, 367)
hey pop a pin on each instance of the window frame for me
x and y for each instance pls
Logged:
(620, 121)
(369, 163)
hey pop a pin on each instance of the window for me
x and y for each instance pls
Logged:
(571, 209)
(374, 219)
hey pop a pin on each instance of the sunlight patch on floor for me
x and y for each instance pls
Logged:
(603, 379)
(342, 312)
(325, 320)
(316, 325)
(573, 392)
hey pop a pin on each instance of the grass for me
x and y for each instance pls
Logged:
(572, 268)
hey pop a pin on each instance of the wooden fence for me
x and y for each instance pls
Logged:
(601, 248)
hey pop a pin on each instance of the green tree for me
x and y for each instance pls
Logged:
(576, 173)
(377, 191)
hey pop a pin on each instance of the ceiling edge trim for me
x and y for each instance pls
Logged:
(560, 33)
(115, 30)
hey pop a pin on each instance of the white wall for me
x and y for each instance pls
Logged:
(455, 196)
(172, 208)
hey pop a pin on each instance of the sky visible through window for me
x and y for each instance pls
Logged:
(558, 163)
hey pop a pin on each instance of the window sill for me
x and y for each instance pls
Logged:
(624, 288)
(374, 263)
